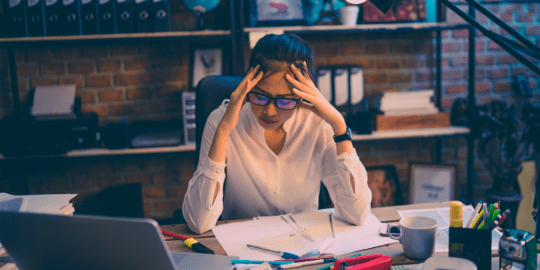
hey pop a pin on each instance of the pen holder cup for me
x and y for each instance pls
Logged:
(471, 244)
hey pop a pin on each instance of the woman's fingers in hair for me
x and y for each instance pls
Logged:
(299, 85)
(304, 95)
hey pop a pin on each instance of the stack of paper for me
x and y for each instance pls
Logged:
(47, 203)
(408, 103)
(276, 233)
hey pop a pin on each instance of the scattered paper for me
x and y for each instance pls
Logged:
(273, 232)
(442, 216)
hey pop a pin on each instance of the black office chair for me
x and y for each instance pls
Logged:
(210, 93)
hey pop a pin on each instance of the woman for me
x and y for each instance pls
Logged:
(279, 138)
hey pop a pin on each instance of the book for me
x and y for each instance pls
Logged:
(89, 17)
(413, 111)
(324, 82)
(340, 77)
(53, 18)
(71, 17)
(15, 18)
(35, 14)
(125, 22)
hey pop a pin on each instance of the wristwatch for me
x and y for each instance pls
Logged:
(346, 136)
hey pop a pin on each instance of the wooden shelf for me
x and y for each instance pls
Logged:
(110, 152)
(412, 133)
(340, 29)
(4, 42)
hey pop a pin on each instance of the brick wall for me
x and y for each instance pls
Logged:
(144, 80)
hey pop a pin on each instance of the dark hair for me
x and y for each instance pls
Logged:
(273, 50)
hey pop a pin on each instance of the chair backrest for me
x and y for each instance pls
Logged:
(210, 92)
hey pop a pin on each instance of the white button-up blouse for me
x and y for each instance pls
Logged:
(260, 183)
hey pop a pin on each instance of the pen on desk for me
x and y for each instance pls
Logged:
(283, 254)
(485, 213)
(300, 264)
(456, 214)
(494, 225)
(330, 266)
(307, 259)
(259, 262)
(298, 229)
(190, 243)
(478, 219)
(332, 225)
(491, 214)
(504, 215)
(474, 214)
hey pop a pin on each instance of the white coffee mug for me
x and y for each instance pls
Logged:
(349, 15)
(417, 236)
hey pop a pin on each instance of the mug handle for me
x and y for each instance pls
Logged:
(394, 236)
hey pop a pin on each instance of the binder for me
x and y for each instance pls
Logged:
(162, 17)
(124, 16)
(143, 20)
(15, 18)
(53, 17)
(107, 14)
(188, 109)
(35, 14)
(324, 82)
(89, 17)
(72, 19)
(340, 77)
(356, 82)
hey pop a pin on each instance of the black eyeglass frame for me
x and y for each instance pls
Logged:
(274, 99)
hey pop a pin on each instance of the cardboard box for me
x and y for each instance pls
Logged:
(412, 121)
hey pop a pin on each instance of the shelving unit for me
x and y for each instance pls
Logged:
(236, 38)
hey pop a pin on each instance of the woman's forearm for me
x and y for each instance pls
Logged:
(218, 151)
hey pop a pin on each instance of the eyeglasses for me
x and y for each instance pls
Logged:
(281, 103)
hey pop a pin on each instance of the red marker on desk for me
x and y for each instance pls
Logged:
(190, 243)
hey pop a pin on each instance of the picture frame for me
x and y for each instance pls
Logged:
(279, 12)
(383, 181)
(431, 183)
(206, 61)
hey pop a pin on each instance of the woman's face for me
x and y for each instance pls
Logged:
(274, 85)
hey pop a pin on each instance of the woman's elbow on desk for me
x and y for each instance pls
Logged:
(196, 224)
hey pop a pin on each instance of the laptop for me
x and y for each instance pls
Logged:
(45, 241)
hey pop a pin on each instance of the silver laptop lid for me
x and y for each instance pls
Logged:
(44, 241)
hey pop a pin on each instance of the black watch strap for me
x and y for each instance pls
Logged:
(346, 136)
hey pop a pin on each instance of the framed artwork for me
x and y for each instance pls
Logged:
(431, 183)
(279, 12)
(383, 182)
(206, 62)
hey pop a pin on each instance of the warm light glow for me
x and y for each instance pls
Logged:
(355, 2)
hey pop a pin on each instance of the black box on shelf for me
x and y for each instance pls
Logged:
(71, 17)
(471, 244)
(53, 18)
(162, 17)
(143, 18)
(89, 17)
(125, 22)
(107, 16)
(35, 14)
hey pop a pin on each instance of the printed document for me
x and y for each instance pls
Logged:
(442, 216)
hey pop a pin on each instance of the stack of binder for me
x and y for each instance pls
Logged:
(29, 18)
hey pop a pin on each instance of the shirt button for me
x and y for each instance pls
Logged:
(217, 171)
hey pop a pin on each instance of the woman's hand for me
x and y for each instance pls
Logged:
(239, 98)
(306, 89)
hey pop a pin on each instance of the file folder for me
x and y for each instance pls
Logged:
(53, 18)
(15, 18)
(89, 17)
(72, 19)
(124, 16)
(324, 82)
(35, 14)
(143, 20)
(356, 82)
(341, 90)
(107, 16)
(162, 18)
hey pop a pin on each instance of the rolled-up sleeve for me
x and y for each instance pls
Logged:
(351, 205)
(200, 213)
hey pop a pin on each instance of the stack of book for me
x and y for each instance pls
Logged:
(48, 203)
(408, 103)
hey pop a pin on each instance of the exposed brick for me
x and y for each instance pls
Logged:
(53, 68)
(139, 93)
(460, 33)
(82, 67)
(126, 79)
(167, 206)
(147, 207)
(336, 61)
(164, 178)
(155, 76)
(27, 70)
(172, 106)
(78, 81)
(506, 59)
(352, 49)
(87, 98)
(456, 89)
(111, 96)
(515, 27)
(482, 87)
(375, 49)
(532, 30)
(502, 86)
(179, 75)
(177, 191)
(144, 179)
(395, 159)
(121, 109)
(137, 64)
(99, 167)
(492, 46)
(151, 48)
(101, 111)
(39, 54)
(67, 53)
(20, 56)
(109, 65)
(37, 186)
(375, 77)
(185, 177)
(166, 61)
(98, 81)
(42, 82)
(123, 50)
(403, 48)
(59, 185)
(402, 77)
(499, 72)
(452, 75)
(126, 165)
(148, 107)
(460, 60)
(154, 165)
(422, 156)
(94, 52)
(111, 180)
(153, 192)
(452, 46)
(389, 63)
(371, 161)
(423, 77)
(85, 182)
(484, 59)
(326, 51)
